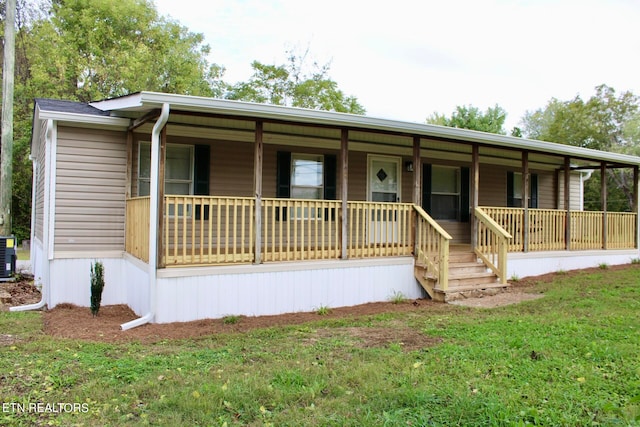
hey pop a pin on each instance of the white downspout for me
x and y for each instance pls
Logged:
(44, 291)
(153, 223)
(584, 176)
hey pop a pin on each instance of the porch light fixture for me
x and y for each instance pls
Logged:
(408, 166)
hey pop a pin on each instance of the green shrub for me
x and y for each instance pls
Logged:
(323, 310)
(230, 320)
(97, 285)
(397, 297)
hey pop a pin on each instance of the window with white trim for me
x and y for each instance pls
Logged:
(178, 172)
(307, 181)
(307, 176)
(514, 186)
(445, 192)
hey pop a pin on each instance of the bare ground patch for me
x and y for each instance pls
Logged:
(497, 300)
(365, 337)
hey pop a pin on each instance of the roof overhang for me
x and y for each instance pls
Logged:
(142, 102)
(83, 119)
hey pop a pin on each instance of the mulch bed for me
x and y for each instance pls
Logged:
(70, 321)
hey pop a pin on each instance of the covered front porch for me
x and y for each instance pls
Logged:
(200, 231)
(376, 190)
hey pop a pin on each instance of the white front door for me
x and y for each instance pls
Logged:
(384, 179)
(384, 183)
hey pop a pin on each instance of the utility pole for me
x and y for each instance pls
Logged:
(6, 155)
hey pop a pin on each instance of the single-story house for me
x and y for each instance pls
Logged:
(203, 208)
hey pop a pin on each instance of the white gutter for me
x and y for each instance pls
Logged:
(75, 118)
(153, 223)
(44, 291)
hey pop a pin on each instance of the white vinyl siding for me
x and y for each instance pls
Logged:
(40, 182)
(90, 188)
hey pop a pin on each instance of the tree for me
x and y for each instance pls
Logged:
(292, 84)
(604, 122)
(87, 50)
(95, 49)
(6, 163)
(92, 49)
(470, 117)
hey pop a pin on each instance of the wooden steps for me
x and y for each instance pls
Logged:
(467, 277)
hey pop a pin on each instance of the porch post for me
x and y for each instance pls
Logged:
(636, 176)
(257, 187)
(567, 202)
(603, 202)
(417, 189)
(475, 191)
(161, 173)
(344, 193)
(417, 172)
(127, 182)
(525, 199)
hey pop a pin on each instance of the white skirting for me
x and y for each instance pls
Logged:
(185, 294)
(281, 288)
(535, 263)
(126, 282)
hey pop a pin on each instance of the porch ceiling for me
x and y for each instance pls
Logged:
(239, 130)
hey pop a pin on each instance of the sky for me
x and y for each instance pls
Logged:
(408, 59)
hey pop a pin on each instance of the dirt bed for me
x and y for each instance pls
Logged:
(69, 321)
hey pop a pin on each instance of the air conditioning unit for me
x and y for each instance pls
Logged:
(8, 257)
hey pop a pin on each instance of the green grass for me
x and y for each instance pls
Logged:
(571, 358)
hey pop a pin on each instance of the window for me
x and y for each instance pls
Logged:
(178, 173)
(186, 172)
(306, 183)
(514, 190)
(306, 176)
(445, 192)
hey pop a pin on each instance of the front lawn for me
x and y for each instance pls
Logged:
(571, 358)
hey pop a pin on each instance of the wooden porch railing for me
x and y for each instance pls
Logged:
(586, 230)
(621, 230)
(137, 227)
(547, 229)
(432, 247)
(378, 229)
(300, 229)
(492, 244)
(204, 230)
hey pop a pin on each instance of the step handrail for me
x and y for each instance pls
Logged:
(432, 247)
(492, 244)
